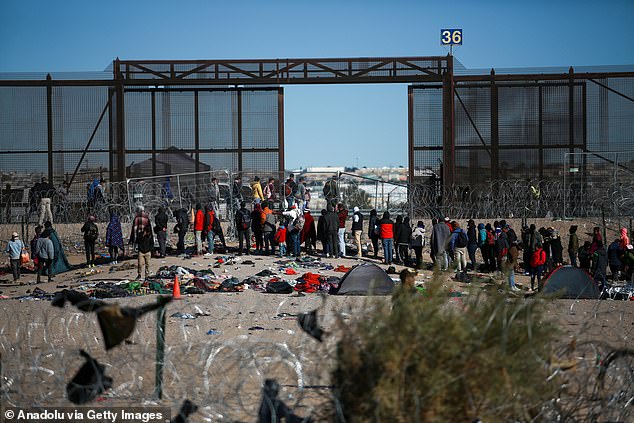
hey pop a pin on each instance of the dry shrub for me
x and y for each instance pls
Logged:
(433, 358)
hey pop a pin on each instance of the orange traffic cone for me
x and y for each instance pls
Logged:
(176, 291)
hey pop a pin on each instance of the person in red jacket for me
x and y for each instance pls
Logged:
(280, 238)
(386, 233)
(538, 260)
(342, 213)
(308, 234)
(199, 218)
(208, 228)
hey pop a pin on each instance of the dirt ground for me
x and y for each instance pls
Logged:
(221, 358)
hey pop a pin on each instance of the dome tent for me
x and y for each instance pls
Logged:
(572, 283)
(366, 279)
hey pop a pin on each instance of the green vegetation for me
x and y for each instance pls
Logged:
(434, 358)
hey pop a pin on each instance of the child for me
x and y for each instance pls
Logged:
(14, 249)
(280, 238)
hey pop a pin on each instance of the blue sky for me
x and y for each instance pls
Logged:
(324, 125)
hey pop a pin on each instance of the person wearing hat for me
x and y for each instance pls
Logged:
(14, 249)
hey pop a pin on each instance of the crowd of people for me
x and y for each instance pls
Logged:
(275, 223)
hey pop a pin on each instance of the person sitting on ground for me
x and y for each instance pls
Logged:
(91, 233)
(146, 244)
(114, 237)
(14, 250)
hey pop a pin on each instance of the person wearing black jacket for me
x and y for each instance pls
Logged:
(397, 228)
(357, 230)
(472, 243)
(243, 224)
(600, 264)
(182, 224)
(373, 233)
(160, 229)
(402, 238)
(332, 229)
(91, 233)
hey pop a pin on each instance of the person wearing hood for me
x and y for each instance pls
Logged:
(45, 251)
(440, 234)
(573, 245)
(402, 238)
(386, 232)
(14, 249)
(60, 263)
(557, 250)
(256, 188)
(418, 242)
(357, 229)
(321, 232)
(114, 237)
(208, 227)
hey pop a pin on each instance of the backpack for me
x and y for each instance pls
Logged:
(490, 238)
(461, 240)
(539, 258)
(92, 232)
(289, 188)
(245, 220)
(299, 223)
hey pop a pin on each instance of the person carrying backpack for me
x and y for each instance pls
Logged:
(243, 225)
(91, 233)
(538, 260)
(458, 243)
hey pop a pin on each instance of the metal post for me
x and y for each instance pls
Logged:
(376, 193)
(565, 186)
(49, 123)
(127, 188)
(180, 196)
(160, 351)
